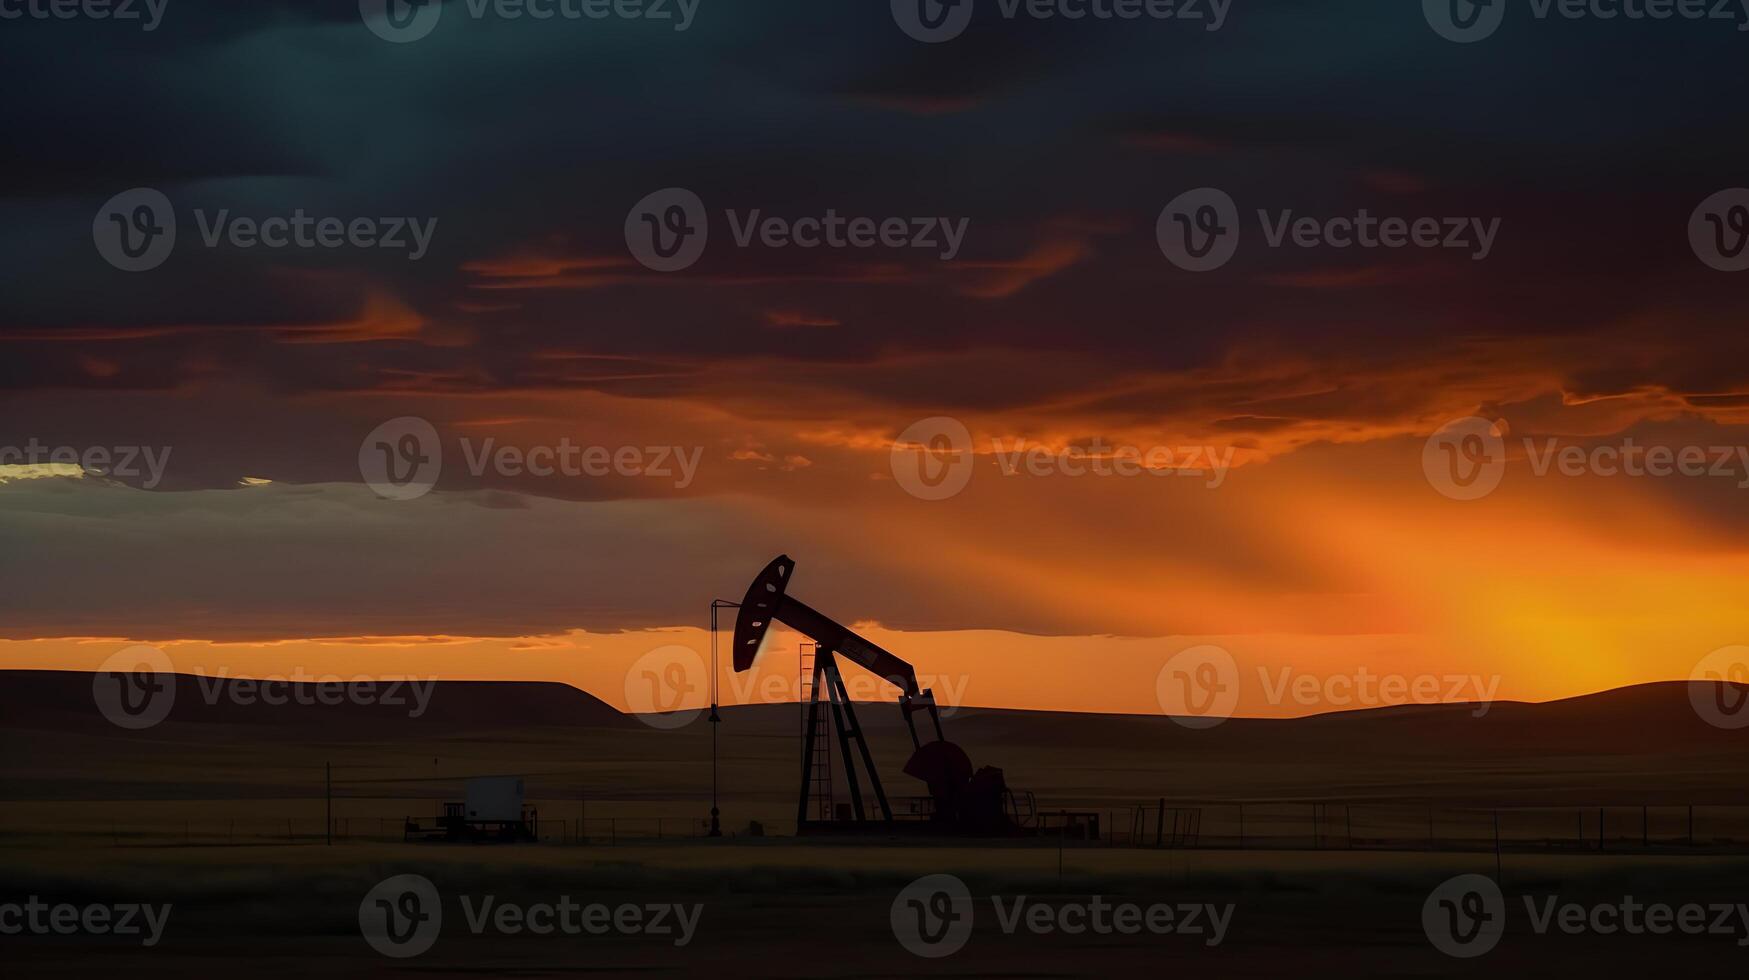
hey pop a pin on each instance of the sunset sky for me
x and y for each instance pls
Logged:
(790, 373)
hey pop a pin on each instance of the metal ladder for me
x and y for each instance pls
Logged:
(820, 772)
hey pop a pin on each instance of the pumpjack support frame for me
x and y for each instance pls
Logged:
(768, 601)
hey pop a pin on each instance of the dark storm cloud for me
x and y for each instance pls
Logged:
(1060, 142)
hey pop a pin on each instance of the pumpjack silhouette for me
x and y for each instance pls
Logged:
(963, 801)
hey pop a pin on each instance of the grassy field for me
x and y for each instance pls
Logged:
(785, 908)
(222, 817)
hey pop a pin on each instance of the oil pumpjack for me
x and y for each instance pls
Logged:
(963, 801)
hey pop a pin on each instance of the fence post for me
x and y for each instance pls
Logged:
(1062, 832)
(1160, 822)
(1241, 826)
(1497, 874)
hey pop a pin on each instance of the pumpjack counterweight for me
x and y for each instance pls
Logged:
(962, 801)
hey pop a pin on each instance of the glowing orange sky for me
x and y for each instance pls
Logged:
(1326, 564)
(1324, 552)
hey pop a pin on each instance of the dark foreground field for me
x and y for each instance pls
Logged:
(1349, 822)
(782, 909)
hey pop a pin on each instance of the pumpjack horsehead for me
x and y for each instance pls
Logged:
(965, 802)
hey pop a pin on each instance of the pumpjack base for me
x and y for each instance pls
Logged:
(871, 828)
(908, 829)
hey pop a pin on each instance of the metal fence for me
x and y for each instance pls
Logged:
(144, 830)
(1159, 823)
(1331, 825)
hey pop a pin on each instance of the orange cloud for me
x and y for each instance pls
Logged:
(999, 280)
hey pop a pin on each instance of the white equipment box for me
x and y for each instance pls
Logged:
(495, 799)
